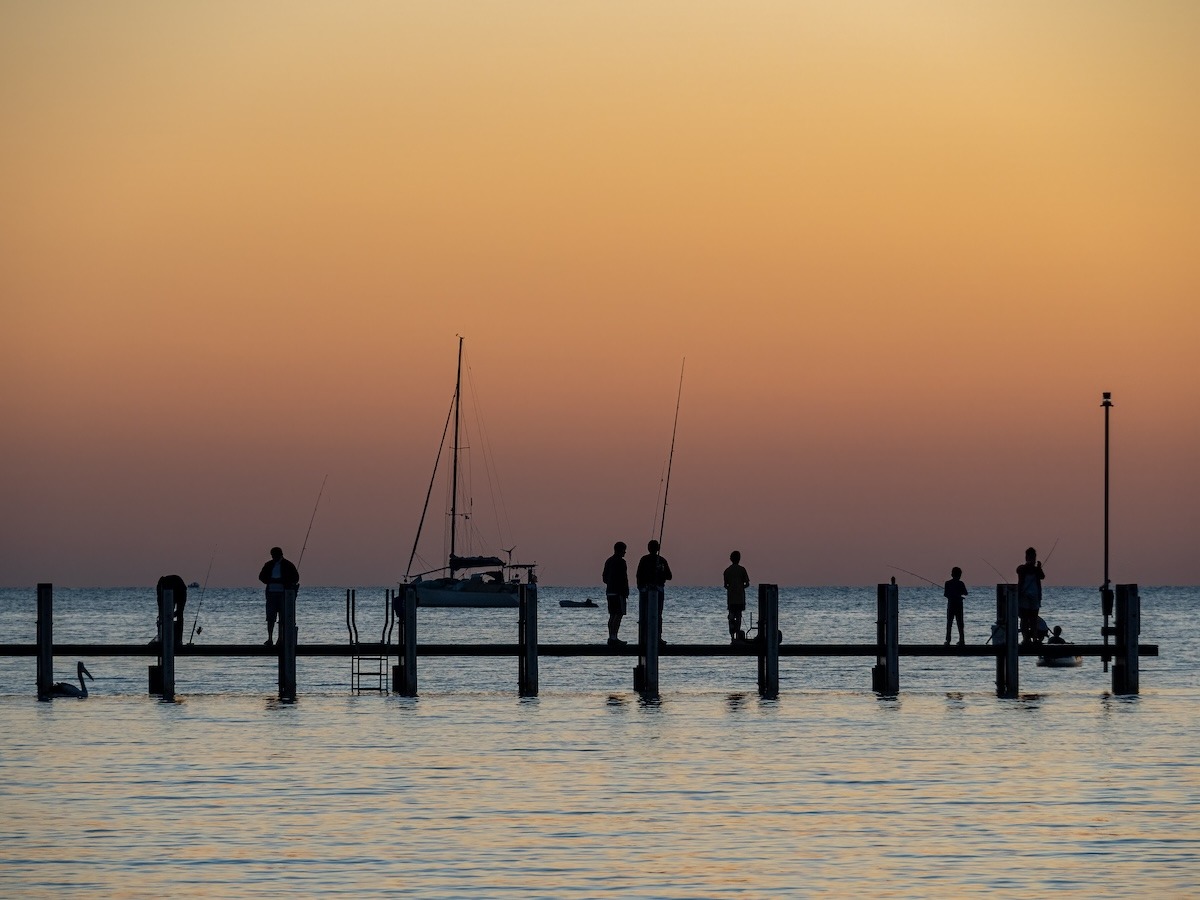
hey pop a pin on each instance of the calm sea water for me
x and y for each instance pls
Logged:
(468, 791)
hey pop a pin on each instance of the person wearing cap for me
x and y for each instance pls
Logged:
(279, 575)
(654, 572)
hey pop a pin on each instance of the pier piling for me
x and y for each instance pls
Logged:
(645, 676)
(1126, 630)
(885, 676)
(768, 634)
(527, 638)
(287, 647)
(404, 676)
(166, 645)
(45, 641)
(1008, 636)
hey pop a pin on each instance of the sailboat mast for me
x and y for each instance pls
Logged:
(454, 466)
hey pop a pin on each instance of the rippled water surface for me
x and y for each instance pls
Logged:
(587, 790)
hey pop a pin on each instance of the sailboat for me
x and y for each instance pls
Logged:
(467, 581)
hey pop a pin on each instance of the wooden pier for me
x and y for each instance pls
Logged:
(767, 649)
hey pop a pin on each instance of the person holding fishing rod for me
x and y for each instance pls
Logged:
(653, 571)
(1029, 595)
(954, 592)
(279, 575)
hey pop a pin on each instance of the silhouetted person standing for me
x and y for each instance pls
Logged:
(736, 582)
(616, 589)
(279, 575)
(178, 588)
(954, 593)
(653, 572)
(1029, 594)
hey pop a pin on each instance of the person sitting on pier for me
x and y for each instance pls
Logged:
(616, 588)
(1029, 594)
(1057, 637)
(954, 592)
(736, 582)
(654, 572)
(279, 575)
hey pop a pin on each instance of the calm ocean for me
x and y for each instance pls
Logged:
(587, 791)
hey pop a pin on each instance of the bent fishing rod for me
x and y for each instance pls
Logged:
(914, 575)
(312, 519)
(195, 629)
(670, 458)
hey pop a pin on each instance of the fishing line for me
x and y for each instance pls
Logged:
(196, 630)
(670, 458)
(997, 571)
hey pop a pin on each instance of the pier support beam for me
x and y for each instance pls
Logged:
(404, 675)
(527, 638)
(1007, 636)
(287, 647)
(1128, 627)
(45, 641)
(166, 646)
(768, 635)
(645, 676)
(885, 676)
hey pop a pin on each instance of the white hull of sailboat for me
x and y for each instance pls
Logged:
(460, 592)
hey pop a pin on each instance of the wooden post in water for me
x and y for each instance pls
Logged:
(1128, 627)
(527, 637)
(404, 675)
(645, 676)
(287, 647)
(45, 641)
(166, 645)
(1007, 638)
(768, 635)
(885, 676)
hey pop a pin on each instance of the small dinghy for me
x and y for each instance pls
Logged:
(1060, 662)
(570, 604)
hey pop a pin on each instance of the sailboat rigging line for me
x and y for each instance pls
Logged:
(200, 603)
(914, 575)
(429, 493)
(997, 571)
(312, 519)
(670, 458)
(454, 466)
(490, 470)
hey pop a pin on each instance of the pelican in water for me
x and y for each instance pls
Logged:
(63, 689)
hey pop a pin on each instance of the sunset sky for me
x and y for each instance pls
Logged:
(903, 248)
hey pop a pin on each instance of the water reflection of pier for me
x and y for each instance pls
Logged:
(766, 648)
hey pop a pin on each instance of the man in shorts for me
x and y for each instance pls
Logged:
(616, 589)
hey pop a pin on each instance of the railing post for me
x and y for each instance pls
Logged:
(768, 635)
(1128, 628)
(404, 675)
(166, 645)
(287, 647)
(527, 636)
(45, 641)
(1007, 637)
(885, 676)
(645, 676)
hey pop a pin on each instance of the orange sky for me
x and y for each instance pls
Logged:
(903, 247)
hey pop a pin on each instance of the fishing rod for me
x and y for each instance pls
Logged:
(195, 629)
(997, 571)
(914, 575)
(667, 488)
(311, 520)
(1051, 553)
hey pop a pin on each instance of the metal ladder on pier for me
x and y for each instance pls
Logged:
(369, 672)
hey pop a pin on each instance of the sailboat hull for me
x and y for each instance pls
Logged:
(468, 592)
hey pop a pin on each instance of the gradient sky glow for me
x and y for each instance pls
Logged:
(903, 247)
